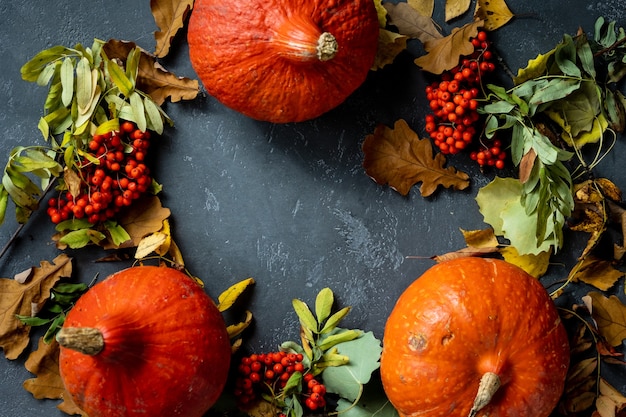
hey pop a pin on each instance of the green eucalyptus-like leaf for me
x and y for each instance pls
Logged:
(30, 70)
(585, 56)
(338, 336)
(84, 86)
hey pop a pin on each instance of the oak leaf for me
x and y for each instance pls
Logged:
(495, 13)
(398, 157)
(609, 315)
(390, 44)
(44, 364)
(17, 299)
(170, 17)
(443, 53)
(455, 8)
(145, 217)
(152, 78)
(423, 7)
(411, 22)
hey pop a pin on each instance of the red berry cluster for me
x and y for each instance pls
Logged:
(454, 102)
(119, 177)
(269, 373)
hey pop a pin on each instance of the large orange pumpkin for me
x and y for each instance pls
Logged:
(282, 60)
(474, 337)
(147, 341)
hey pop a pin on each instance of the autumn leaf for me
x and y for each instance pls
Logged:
(579, 393)
(443, 54)
(495, 13)
(381, 12)
(145, 216)
(152, 78)
(455, 8)
(390, 44)
(609, 315)
(423, 7)
(412, 23)
(610, 402)
(17, 299)
(44, 363)
(597, 272)
(170, 16)
(227, 298)
(479, 242)
(534, 264)
(398, 157)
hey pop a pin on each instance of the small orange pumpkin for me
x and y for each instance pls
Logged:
(474, 337)
(147, 341)
(283, 60)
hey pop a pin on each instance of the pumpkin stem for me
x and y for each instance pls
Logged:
(327, 47)
(86, 340)
(489, 384)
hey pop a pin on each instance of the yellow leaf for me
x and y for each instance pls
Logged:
(485, 238)
(235, 330)
(609, 315)
(597, 272)
(495, 13)
(455, 8)
(535, 265)
(149, 244)
(228, 297)
(423, 7)
(411, 23)
(390, 44)
(536, 67)
(382, 13)
(599, 126)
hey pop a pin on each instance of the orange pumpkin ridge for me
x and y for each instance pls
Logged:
(147, 341)
(282, 61)
(469, 320)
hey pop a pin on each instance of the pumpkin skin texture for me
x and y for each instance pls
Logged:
(262, 59)
(166, 350)
(466, 318)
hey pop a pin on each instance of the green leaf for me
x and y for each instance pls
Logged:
(343, 335)
(334, 320)
(33, 321)
(132, 64)
(373, 403)
(555, 89)
(565, 57)
(4, 200)
(67, 81)
(499, 107)
(323, 304)
(347, 380)
(57, 323)
(118, 234)
(305, 315)
(84, 86)
(118, 76)
(72, 224)
(31, 70)
(585, 55)
(136, 104)
(80, 238)
(294, 384)
(153, 115)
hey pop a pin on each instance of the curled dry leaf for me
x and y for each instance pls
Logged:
(398, 157)
(479, 243)
(170, 16)
(609, 314)
(410, 22)
(17, 299)
(495, 13)
(390, 44)
(455, 8)
(443, 54)
(152, 78)
(597, 272)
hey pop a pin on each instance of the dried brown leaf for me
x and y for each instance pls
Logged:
(44, 363)
(597, 272)
(495, 13)
(526, 165)
(423, 7)
(170, 17)
(485, 238)
(610, 402)
(398, 157)
(18, 299)
(390, 44)
(455, 8)
(609, 315)
(464, 253)
(152, 78)
(443, 54)
(145, 216)
(411, 22)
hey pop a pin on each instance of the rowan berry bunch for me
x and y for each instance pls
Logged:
(268, 373)
(454, 102)
(112, 175)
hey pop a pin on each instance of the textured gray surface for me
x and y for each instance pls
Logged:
(289, 205)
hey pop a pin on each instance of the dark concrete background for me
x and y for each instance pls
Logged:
(289, 205)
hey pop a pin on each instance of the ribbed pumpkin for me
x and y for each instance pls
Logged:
(147, 341)
(474, 337)
(282, 60)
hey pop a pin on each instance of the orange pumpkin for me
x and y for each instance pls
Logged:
(282, 60)
(147, 341)
(474, 337)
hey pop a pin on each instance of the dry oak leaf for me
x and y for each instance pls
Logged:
(597, 272)
(18, 299)
(398, 157)
(495, 13)
(390, 44)
(44, 363)
(609, 315)
(423, 7)
(411, 22)
(145, 217)
(152, 78)
(170, 17)
(455, 8)
(443, 54)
